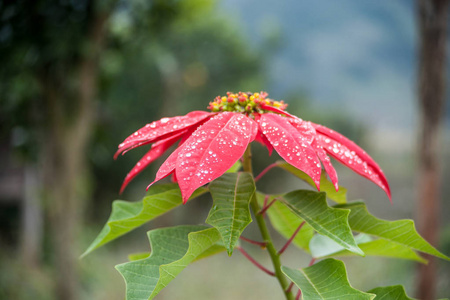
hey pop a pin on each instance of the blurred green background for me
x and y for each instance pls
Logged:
(76, 77)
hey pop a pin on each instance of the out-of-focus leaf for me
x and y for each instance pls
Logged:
(402, 232)
(172, 250)
(325, 185)
(286, 222)
(213, 250)
(126, 216)
(138, 256)
(230, 212)
(325, 280)
(322, 246)
(235, 168)
(395, 292)
(313, 208)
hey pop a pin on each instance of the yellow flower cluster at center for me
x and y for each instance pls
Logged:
(244, 103)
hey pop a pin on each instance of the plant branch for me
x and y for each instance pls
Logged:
(290, 287)
(267, 169)
(253, 261)
(247, 166)
(266, 207)
(291, 238)
(266, 198)
(261, 244)
(299, 294)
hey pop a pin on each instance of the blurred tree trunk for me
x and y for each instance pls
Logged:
(32, 220)
(433, 32)
(67, 135)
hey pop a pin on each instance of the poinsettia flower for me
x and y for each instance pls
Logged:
(211, 142)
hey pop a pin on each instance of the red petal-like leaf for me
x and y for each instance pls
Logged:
(154, 153)
(168, 167)
(276, 110)
(307, 130)
(260, 138)
(325, 159)
(174, 178)
(351, 155)
(291, 145)
(212, 149)
(161, 129)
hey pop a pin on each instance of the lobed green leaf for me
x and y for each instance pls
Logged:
(395, 292)
(172, 250)
(230, 213)
(313, 208)
(126, 216)
(325, 185)
(401, 232)
(138, 256)
(235, 168)
(326, 279)
(322, 246)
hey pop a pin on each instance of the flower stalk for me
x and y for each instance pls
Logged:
(275, 258)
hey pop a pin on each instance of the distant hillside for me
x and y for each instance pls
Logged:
(361, 54)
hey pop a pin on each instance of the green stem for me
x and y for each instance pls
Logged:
(247, 166)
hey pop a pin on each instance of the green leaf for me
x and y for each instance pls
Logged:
(235, 168)
(395, 292)
(325, 185)
(126, 216)
(325, 280)
(286, 222)
(313, 208)
(322, 246)
(402, 232)
(230, 212)
(138, 256)
(172, 250)
(213, 250)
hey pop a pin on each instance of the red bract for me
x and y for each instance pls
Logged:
(212, 142)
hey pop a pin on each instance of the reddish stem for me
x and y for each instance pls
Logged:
(262, 244)
(257, 264)
(313, 260)
(290, 287)
(266, 207)
(266, 198)
(291, 238)
(267, 169)
(299, 294)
